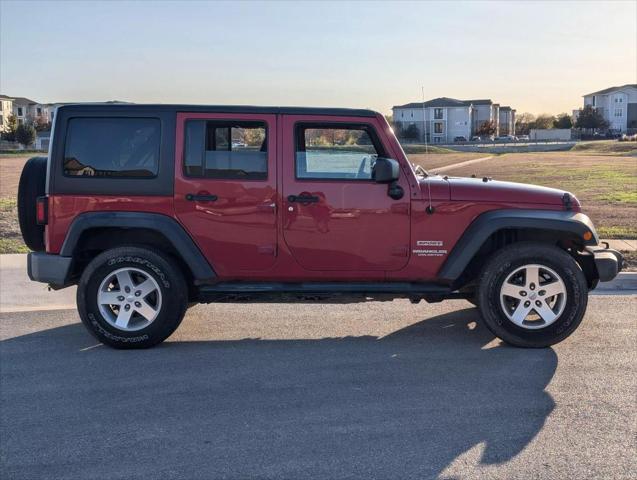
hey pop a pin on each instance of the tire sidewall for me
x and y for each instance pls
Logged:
(502, 265)
(171, 285)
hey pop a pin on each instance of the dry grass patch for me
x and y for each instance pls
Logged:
(606, 185)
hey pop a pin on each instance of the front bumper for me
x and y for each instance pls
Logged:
(52, 269)
(608, 262)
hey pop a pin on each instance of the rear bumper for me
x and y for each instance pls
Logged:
(52, 269)
(608, 262)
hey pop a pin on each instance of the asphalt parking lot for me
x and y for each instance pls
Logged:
(376, 390)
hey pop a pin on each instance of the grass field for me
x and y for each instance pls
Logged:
(606, 185)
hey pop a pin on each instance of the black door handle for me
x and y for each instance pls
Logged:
(303, 199)
(200, 198)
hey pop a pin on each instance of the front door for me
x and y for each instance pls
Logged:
(335, 217)
(225, 188)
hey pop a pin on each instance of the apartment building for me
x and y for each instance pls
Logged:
(24, 109)
(443, 119)
(618, 106)
(506, 121)
(438, 121)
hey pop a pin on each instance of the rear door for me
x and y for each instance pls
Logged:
(335, 217)
(225, 188)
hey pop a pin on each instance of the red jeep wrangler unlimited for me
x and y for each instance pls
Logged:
(150, 208)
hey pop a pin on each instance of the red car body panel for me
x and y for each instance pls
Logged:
(355, 232)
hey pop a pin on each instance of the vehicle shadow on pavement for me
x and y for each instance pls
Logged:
(401, 406)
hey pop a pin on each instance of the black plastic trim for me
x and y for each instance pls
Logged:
(46, 268)
(608, 262)
(167, 226)
(490, 222)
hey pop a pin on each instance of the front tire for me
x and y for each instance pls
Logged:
(132, 297)
(532, 295)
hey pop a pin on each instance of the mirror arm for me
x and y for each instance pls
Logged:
(395, 191)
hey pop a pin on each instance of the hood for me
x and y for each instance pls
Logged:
(477, 190)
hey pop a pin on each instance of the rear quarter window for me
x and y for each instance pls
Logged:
(112, 147)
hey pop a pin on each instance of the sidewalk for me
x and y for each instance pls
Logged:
(19, 294)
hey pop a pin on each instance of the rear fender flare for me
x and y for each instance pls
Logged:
(201, 270)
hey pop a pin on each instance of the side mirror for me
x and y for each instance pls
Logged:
(386, 170)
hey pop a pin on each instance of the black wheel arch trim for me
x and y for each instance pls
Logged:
(486, 224)
(201, 270)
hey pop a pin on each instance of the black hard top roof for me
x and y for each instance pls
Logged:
(351, 112)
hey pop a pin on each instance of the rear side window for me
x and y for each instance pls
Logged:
(112, 147)
(335, 152)
(230, 150)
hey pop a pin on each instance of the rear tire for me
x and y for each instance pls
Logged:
(132, 297)
(532, 313)
(32, 185)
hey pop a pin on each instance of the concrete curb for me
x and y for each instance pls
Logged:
(624, 282)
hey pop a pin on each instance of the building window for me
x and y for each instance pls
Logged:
(619, 112)
(39, 111)
(438, 127)
(412, 114)
(436, 139)
(402, 114)
(594, 100)
(1, 120)
(19, 111)
(437, 113)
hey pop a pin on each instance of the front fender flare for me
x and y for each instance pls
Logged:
(486, 224)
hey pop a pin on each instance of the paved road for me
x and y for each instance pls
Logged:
(378, 390)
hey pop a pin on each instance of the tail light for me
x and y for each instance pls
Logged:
(42, 210)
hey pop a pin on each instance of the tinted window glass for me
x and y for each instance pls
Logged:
(237, 150)
(112, 147)
(335, 153)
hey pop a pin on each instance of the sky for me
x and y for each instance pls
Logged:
(534, 56)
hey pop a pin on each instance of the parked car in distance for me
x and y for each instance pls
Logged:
(459, 139)
(507, 138)
(150, 209)
(523, 138)
(476, 138)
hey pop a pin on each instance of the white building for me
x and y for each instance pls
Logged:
(445, 119)
(6, 110)
(442, 119)
(27, 110)
(506, 119)
(618, 106)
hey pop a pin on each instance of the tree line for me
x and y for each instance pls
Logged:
(588, 119)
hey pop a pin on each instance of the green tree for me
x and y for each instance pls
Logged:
(523, 123)
(590, 119)
(563, 120)
(543, 122)
(25, 134)
(486, 128)
(10, 129)
(411, 132)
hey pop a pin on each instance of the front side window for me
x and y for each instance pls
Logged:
(618, 112)
(112, 147)
(226, 149)
(336, 152)
(20, 111)
(437, 113)
(438, 127)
